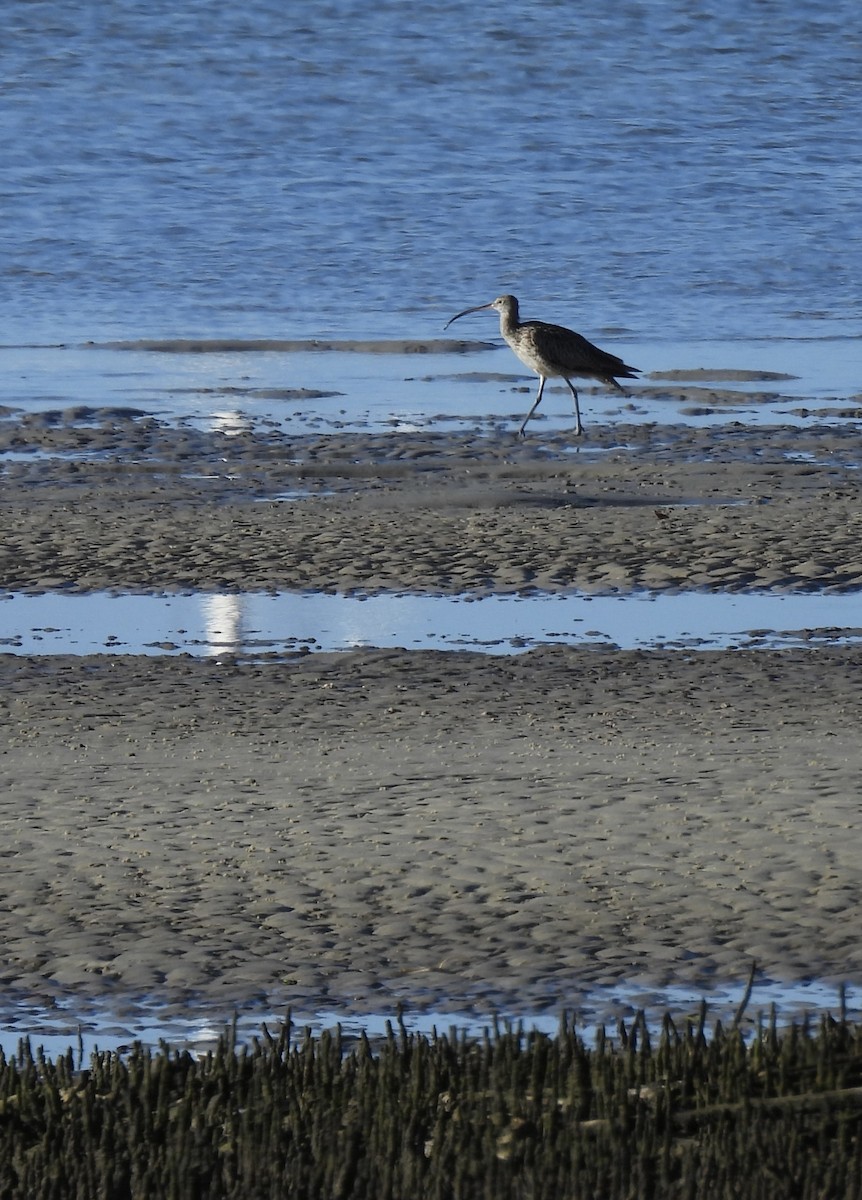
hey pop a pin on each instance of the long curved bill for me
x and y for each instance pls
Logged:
(457, 317)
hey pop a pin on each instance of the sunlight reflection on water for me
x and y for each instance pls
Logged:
(441, 391)
(257, 623)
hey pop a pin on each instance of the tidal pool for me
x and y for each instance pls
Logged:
(259, 623)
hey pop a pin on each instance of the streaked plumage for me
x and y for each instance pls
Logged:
(554, 352)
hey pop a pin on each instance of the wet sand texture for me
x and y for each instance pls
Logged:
(156, 507)
(446, 828)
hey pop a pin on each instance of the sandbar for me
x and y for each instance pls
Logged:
(439, 828)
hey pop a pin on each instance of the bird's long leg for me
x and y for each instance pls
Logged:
(579, 428)
(535, 406)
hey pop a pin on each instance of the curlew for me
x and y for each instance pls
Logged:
(554, 352)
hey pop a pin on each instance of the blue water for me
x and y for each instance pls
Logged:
(258, 623)
(657, 170)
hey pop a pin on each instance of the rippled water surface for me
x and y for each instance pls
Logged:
(662, 169)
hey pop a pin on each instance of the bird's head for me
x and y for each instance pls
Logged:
(506, 305)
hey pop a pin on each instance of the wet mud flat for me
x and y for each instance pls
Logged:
(450, 830)
(95, 500)
(364, 827)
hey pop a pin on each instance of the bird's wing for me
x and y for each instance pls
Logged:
(573, 351)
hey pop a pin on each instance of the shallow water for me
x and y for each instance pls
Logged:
(86, 1028)
(257, 623)
(219, 169)
(485, 389)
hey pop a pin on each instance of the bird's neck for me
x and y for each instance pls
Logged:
(508, 322)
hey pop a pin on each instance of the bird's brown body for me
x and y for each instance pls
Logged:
(554, 352)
